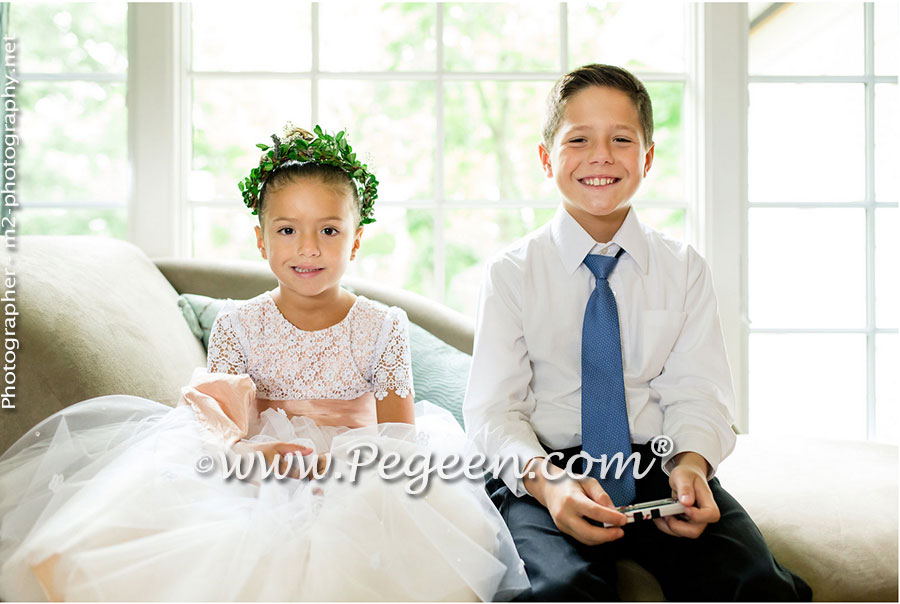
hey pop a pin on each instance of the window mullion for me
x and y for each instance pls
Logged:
(440, 256)
(869, 42)
(723, 96)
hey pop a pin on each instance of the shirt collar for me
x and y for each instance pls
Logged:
(574, 243)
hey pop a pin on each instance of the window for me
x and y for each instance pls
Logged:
(73, 166)
(445, 99)
(822, 219)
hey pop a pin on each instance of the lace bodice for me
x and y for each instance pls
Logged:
(368, 351)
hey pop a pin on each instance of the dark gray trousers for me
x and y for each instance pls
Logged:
(730, 561)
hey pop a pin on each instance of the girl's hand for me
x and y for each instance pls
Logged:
(283, 450)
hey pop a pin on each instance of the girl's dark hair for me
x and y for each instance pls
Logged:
(596, 75)
(295, 171)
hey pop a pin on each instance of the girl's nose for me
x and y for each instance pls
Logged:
(308, 246)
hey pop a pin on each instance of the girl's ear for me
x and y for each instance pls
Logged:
(545, 160)
(260, 243)
(356, 239)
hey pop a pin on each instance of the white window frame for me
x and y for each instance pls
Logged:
(869, 204)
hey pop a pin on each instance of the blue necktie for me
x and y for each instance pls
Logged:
(604, 415)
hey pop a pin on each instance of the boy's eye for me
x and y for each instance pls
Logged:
(329, 231)
(621, 139)
(286, 231)
(579, 139)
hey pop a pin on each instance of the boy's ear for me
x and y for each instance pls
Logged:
(356, 240)
(545, 160)
(648, 158)
(260, 243)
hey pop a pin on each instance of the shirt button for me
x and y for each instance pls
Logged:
(604, 250)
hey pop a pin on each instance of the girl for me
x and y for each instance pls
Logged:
(308, 369)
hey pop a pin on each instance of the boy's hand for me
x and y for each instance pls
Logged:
(690, 488)
(570, 502)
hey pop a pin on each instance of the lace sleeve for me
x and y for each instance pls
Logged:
(393, 368)
(225, 353)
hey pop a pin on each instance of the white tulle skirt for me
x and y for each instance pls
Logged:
(104, 501)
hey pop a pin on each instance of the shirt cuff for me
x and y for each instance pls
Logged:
(513, 460)
(703, 444)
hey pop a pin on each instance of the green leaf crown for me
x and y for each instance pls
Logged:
(321, 148)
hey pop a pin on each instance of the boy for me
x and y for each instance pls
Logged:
(595, 335)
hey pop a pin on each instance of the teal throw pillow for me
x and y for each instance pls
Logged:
(440, 371)
(200, 313)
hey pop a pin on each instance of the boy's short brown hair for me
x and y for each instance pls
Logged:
(596, 75)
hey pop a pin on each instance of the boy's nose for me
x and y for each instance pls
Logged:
(601, 153)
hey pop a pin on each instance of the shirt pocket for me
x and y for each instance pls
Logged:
(656, 333)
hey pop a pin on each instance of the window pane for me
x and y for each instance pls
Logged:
(793, 156)
(103, 223)
(887, 387)
(669, 221)
(501, 37)
(808, 39)
(230, 118)
(74, 142)
(807, 268)
(887, 300)
(398, 250)
(601, 32)
(887, 149)
(225, 233)
(391, 126)
(393, 36)
(492, 133)
(811, 384)
(887, 49)
(231, 36)
(472, 237)
(665, 179)
(70, 37)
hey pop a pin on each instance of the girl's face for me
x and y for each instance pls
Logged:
(308, 235)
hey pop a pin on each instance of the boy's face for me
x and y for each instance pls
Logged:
(598, 156)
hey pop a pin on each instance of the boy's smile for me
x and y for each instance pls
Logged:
(598, 158)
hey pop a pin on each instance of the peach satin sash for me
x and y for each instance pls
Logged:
(354, 413)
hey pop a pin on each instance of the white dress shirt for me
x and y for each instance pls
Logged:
(524, 390)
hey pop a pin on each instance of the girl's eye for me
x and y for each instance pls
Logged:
(286, 231)
(329, 231)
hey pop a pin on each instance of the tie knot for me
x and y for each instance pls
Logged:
(601, 266)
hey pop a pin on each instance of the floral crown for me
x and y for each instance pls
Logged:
(321, 148)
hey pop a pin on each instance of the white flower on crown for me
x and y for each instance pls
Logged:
(292, 133)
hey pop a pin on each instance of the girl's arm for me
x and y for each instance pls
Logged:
(392, 408)
(225, 353)
(392, 373)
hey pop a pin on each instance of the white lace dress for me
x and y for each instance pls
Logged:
(123, 498)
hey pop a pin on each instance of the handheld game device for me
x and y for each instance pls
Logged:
(649, 510)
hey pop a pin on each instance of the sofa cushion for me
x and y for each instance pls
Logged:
(96, 317)
(827, 509)
(440, 371)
